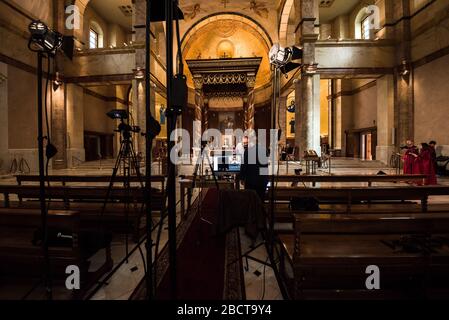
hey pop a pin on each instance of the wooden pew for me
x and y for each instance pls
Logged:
(67, 179)
(369, 179)
(328, 255)
(89, 202)
(20, 258)
(349, 195)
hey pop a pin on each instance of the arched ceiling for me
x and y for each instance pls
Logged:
(247, 27)
(229, 34)
(265, 12)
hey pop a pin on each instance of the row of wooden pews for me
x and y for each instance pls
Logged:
(326, 253)
(65, 192)
(75, 211)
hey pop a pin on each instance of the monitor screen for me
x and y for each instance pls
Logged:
(227, 164)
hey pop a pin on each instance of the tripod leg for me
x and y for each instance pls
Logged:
(113, 177)
(213, 173)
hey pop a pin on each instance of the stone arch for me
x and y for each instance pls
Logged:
(224, 16)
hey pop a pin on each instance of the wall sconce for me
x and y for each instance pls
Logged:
(139, 73)
(404, 69)
(58, 82)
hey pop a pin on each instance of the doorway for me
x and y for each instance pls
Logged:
(362, 144)
(98, 146)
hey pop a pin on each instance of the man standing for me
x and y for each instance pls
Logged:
(254, 170)
(433, 151)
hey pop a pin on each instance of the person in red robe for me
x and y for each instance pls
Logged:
(411, 159)
(428, 165)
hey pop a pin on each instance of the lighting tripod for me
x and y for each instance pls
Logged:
(126, 158)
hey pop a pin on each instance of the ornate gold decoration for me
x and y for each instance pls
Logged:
(198, 82)
(226, 28)
(250, 110)
(206, 115)
(225, 49)
(251, 80)
(224, 78)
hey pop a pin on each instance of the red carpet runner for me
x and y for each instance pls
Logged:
(201, 257)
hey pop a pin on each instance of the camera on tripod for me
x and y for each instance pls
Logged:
(124, 128)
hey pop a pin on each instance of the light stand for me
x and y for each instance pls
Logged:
(148, 159)
(42, 199)
(282, 60)
(171, 180)
(43, 41)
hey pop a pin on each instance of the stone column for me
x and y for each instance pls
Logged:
(75, 124)
(308, 88)
(59, 127)
(403, 82)
(250, 103)
(206, 114)
(385, 118)
(282, 117)
(199, 103)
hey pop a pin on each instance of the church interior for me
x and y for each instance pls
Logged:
(127, 129)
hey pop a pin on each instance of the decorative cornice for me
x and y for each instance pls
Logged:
(224, 78)
(241, 65)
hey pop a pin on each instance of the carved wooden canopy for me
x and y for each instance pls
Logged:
(224, 77)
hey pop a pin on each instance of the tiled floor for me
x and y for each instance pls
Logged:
(260, 280)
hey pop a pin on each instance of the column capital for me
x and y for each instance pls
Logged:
(251, 80)
(198, 81)
(309, 70)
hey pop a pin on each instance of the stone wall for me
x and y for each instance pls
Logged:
(432, 102)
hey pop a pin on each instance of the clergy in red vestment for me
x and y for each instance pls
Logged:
(411, 159)
(428, 165)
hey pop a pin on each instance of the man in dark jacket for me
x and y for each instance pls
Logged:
(433, 145)
(254, 169)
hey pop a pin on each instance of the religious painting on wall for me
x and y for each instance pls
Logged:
(290, 118)
(160, 116)
(226, 121)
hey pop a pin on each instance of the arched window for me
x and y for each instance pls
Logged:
(96, 36)
(366, 22)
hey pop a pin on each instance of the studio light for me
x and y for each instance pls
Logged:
(283, 58)
(44, 39)
(118, 114)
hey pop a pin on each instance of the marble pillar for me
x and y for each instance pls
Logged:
(308, 114)
(205, 115)
(403, 82)
(199, 104)
(385, 118)
(250, 103)
(59, 127)
(308, 87)
(75, 125)
(250, 109)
